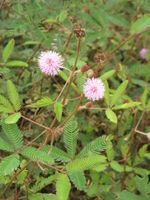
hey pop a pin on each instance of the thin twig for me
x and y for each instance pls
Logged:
(73, 71)
(61, 92)
(73, 112)
(38, 124)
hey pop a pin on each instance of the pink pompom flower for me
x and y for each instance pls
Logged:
(143, 53)
(50, 63)
(94, 89)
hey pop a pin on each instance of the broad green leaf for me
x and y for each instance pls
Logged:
(45, 101)
(13, 95)
(126, 105)
(8, 50)
(111, 116)
(12, 119)
(63, 187)
(118, 92)
(107, 97)
(140, 24)
(16, 63)
(107, 75)
(5, 105)
(9, 164)
(58, 110)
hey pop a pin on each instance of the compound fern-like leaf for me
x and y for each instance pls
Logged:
(13, 95)
(81, 164)
(63, 187)
(57, 154)
(78, 179)
(37, 155)
(96, 146)
(5, 146)
(5, 106)
(70, 136)
(12, 135)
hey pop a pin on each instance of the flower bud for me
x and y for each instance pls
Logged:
(79, 31)
(45, 171)
(99, 57)
(90, 73)
(88, 104)
(84, 68)
(126, 101)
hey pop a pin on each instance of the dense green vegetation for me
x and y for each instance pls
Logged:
(55, 142)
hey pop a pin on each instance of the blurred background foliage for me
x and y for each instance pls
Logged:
(116, 29)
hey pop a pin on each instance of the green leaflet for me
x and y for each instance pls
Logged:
(42, 196)
(144, 97)
(124, 195)
(126, 105)
(13, 95)
(63, 187)
(82, 164)
(111, 116)
(57, 154)
(81, 78)
(42, 182)
(58, 108)
(8, 50)
(107, 75)
(12, 135)
(12, 119)
(5, 105)
(5, 146)
(16, 63)
(45, 101)
(140, 24)
(78, 179)
(119, 168)
(70, 136)
(9, 164)
(107, 96)
(97, 145)
(119, 92)
(37, 155)
(63, 15)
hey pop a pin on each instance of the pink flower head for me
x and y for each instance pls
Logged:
(50, 62)
(94, 89)
(143, 53)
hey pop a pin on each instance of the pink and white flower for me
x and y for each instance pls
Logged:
(50, 62)
(94, 89)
